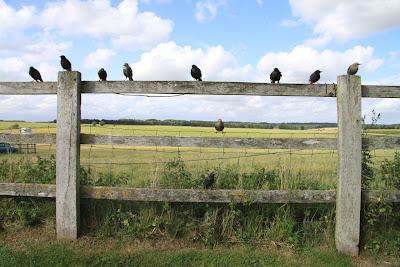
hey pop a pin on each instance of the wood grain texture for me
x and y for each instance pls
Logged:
(68, 154)
(194, 195)
(348, 201)
(200, 88)
(28, 88)
(217, 142)
(193, 141)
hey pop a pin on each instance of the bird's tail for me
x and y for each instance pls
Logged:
(69, 69)
(130, 78)
(200, 80)
(40, 79)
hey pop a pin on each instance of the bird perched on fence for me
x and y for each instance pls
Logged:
(128, 72)
(314, 77)
(65, 64)
(35, 74)
(196, 73)
(102, 74)
(219, 126)
(353, 68)
(275, 76)
(209, 180)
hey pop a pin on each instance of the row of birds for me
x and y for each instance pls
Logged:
(275, 75)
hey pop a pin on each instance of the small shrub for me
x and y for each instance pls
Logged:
(14, 126)
(102, 123)
(390, 170)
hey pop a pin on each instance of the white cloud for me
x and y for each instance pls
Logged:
(39, 52)
(297, 65)
(99, 58)
(169, 61)
(12, 19)
(344, 20)
(127, 27)
(206, 10)
(260, 2)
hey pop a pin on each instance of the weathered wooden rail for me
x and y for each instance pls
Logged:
(196, 88)
(348, 196)
(193, 195)
(197, 141)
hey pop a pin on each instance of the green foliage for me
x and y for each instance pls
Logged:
(26, 170)
(14, 126)
(390, 171)
(102, 123)
(176, 175)
(94, 123)
(261, 179)
(25, 211)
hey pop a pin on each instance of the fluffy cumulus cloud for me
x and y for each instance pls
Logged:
(100, 57)
(344, 20)
(36, 37)
(124, 24)
(12, 19)
(169, 61)
(207, 10)
(40, 53)
(298, 64)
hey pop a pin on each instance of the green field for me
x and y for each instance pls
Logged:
(285, 235)
(145, 166)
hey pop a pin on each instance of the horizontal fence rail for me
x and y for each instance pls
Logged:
(194, 195)
(196, 141)
(197, 88)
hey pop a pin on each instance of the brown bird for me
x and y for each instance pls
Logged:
(353, 68)
(35, 74)
(127, 71)
(314, 77)
(219, 126)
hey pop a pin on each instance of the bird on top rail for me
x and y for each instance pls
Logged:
(195, 72)
(35, 74)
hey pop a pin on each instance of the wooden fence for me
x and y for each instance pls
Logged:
(348, 195)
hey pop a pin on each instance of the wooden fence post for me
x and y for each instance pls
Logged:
(348, 196)
(68, 154)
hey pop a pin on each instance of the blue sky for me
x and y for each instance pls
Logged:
(230, 40)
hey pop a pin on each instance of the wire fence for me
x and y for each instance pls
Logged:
(148, 166)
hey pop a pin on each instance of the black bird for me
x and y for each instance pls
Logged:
(128, 72)
(219, 125)
(196, 73)
(35, 74)
(275, 75)
(314, 77)
(65, 64)
(102, 75)
(209, 180)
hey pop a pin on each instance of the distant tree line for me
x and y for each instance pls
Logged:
(197, 123)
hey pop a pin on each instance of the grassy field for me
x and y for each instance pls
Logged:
(284, 235)
(144, 166)
(35, 249)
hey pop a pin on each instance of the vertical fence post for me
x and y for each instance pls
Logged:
(348, 196)
(68, 154)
